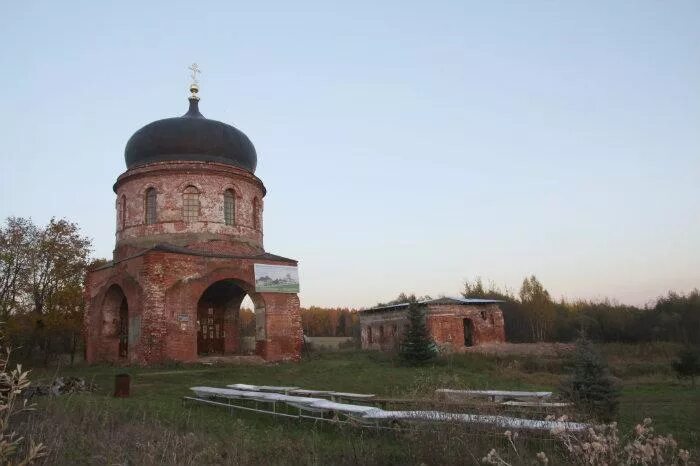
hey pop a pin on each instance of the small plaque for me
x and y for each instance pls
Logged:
(183, 318)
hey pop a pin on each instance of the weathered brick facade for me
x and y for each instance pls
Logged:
(145, 306)
(453, 324)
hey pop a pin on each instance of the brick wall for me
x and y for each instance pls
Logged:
(170, 179)
(163, 291)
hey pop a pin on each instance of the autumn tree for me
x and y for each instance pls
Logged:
(16, 240)
(57, 260)
(41, 278)
(538, 307)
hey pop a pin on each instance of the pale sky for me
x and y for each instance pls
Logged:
(405, 146)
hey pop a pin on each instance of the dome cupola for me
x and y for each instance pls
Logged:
(191, 137)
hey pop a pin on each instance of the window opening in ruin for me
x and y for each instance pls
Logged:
(150, 206)
(122, 211)
(229, 207)
(483, 315)
(190, 204)
(256, 214)
(369, 334)
(468, 332)
(381, 334)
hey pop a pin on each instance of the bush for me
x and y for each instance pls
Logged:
(688, 364)
(591, 387)
(12, 383)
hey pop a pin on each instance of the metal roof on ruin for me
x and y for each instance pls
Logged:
(436, 302)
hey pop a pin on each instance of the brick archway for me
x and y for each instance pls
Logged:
(218, 322)
(114, 322)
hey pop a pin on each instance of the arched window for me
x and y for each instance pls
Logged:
(150, 206)
(190, 204)
(229, 207)
(256, 213)
(122, 211)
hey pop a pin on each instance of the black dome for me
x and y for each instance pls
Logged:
(190, 137)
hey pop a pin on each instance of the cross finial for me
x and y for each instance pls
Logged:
(194, 87)
(194, 69)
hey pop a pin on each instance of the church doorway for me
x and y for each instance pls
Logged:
(226, 320)
(468, 332)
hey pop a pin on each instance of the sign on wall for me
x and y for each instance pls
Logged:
(276, 278)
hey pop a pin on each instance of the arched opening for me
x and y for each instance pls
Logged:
(228, 320)
(115, 319)
(468, 332)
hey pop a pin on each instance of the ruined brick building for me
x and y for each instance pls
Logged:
(189, 247)
(453, 322)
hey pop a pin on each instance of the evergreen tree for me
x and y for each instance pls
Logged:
(591, 387)
(417, 347)
(688, 364)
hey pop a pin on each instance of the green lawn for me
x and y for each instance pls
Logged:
(154, 426)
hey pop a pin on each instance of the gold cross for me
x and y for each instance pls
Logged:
(195, 69)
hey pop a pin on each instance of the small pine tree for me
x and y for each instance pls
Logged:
(591, 387)
(688, 364)
(417, 347)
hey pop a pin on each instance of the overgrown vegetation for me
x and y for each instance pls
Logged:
(687, 366)
(153, 426)
(14, 448)
(601, 445)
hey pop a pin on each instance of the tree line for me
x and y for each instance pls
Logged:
(42, 271)
(532, 316)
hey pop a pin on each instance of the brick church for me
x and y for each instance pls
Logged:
(189, 248)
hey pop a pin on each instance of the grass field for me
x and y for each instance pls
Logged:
(153, 426)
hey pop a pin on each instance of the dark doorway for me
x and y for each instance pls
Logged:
(468, 332)
(218, 320)
(123, 329)
(211, 334)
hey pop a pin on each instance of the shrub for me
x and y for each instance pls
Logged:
(12, 384)
(591, 387)
(602, 445)
(687, 366)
